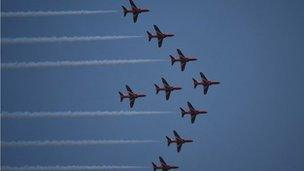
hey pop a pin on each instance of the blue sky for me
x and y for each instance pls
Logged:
(255, 118)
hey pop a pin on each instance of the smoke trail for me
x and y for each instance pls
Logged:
(71, 142)
(63, 39)
(53, 13)
(75, 63)
(70, 114)
(73, 167)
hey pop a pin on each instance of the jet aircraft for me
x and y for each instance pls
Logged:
(163, 165)
(178, 140)
(130, 95)
(205, 82)
(134, 10)
(192, 112)
(182, 59)
(159, 35)
(166, 88)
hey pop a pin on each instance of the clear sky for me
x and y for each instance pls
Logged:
(255, 116)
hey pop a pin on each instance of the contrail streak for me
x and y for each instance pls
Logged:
(70, 114)
(63, 39)
(53, 13)
(73, 167)
(75, 63)
(72, 142)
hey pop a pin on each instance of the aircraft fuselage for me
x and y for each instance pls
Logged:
(168, 167)
(134, 95)
(181, 141)
(170, 88)
(208, 82)
(196, 112)
(162, 36)
(137, 10)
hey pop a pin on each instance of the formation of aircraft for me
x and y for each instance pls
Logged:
(163, 165)
(205, 82)
(182, 59)
(134, 10)
(159, 35)
(178, 141)
(130, 95)
(166, 88)
(192, 112)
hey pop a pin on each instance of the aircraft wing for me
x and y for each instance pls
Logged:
(135, 16)
(129, 89)
(162, 161)
(206, 89)
(190, 106)
(183, 65)
(168, 94)
(132, 4)
(165, 82)
(157, 30)
(132, 101)
(179, 147)
(176, 135)
(193, 118)
(203, 76)
(180, 53)
(160, 42)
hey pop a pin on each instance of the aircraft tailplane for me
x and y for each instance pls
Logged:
(124, 10)
(195, 83)
(183, 112)
(172, 59)
(169, 141)
(149, 36)
(121, 96)
(156, 88)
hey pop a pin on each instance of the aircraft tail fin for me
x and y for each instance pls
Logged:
(149, 36)
(154, 166)
(124, 10)
(156, 88)
(169, 141)
(121, 96)
(195, 83)
(183, 112)
(172, 59)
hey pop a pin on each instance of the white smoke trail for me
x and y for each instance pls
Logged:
(75, 63)
(70, 114)
(53, 13)
(63, 39)
(73, 167)
(71, 142)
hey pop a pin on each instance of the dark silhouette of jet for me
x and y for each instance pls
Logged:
(163, 165)
(134, 10)
(167, 88)
(192, 112)
(159, 35)
(205, 82)
(130, 95)
(182, 59)
(178, 140)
